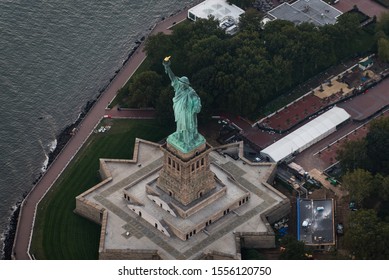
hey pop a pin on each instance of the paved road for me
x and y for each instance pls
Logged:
(367, 104)
(29, 205)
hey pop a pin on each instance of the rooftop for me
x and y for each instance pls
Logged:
(311, 11)
(220, 9)
(306, 135)
(316, 222)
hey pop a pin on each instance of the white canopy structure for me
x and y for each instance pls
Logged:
(307, 135)
(220, 9)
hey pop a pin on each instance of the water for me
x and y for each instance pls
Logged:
(54, 57)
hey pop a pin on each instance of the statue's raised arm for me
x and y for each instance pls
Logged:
(166, 63)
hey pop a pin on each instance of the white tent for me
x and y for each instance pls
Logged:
(220, 9)
(307, 135)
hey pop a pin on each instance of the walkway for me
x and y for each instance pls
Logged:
(365, 105)
(131, 113)
(318, 175)
(91, 120)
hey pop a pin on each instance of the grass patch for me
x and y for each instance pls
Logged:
(58, 232)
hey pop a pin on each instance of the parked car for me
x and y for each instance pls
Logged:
(339, 229)
(352, 206)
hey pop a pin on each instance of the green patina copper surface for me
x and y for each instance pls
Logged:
(186, 106)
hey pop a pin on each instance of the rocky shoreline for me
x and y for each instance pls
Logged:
(9, 235)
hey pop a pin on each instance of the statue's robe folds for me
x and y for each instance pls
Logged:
(186, 104)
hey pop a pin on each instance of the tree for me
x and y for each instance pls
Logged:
(360, 185)
(206, 108)
(346, 34)
(377, 145)
(189, 41)
(164, 107)
(144, 89)
(158, 46)
(244, 4)
(352, 155)
(235, 70)
(382, 185)
(383, 49)
(294, 249)
(204, 52)
(383, 24)
(250, 21)
(282, 71)
(366, 236)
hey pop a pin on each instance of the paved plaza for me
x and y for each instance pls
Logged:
(127, 230)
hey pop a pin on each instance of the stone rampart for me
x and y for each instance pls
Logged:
(120, 254)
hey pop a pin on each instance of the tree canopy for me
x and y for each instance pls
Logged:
(353, 155)
(367, 180)
(244, 4)
(370, 153)
(293, 249)
(144, 90)
(359, 183)
(241, 73)
(377, 145)
(367, 236)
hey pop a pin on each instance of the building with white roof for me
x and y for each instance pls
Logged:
(306, 136)
(228, 15)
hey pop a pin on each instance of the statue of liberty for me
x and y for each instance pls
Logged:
(186, 106)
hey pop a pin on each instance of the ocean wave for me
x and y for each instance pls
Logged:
(52, 145)
(45, 164)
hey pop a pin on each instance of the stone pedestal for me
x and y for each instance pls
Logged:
(186, 176)
(186, 142)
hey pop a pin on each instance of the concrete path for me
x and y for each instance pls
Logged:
(29, 205)
(131, 113)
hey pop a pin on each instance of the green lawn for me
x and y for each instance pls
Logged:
(58, 232)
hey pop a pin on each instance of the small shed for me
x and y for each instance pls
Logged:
(365, 64)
